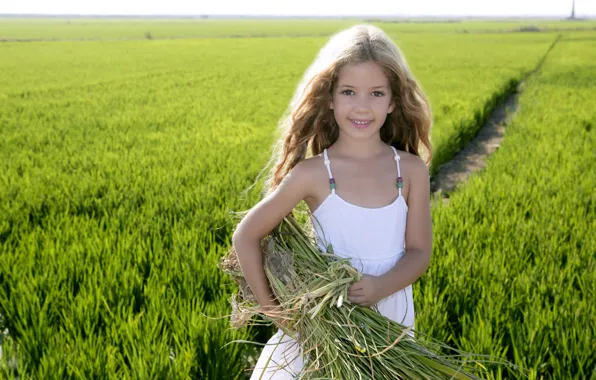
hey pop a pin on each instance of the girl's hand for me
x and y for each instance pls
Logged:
(366, 292)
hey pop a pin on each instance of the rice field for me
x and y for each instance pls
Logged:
(515, 255)
(78, 28)
(120, 160)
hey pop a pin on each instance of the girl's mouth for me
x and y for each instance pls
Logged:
(361, 124)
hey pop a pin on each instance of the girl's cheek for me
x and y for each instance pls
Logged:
(342, 107)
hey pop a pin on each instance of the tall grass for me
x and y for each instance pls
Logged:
(514, 264)
(119, 162)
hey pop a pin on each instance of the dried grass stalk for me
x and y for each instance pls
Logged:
(339, 339)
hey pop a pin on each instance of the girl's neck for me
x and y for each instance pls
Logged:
(359, 148)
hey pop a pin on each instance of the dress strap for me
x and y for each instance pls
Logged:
(328, 164)
(400, 181)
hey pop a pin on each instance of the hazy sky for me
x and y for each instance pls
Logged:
(559, 8)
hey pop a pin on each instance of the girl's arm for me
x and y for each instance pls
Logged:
(259, 222)
(418, 234)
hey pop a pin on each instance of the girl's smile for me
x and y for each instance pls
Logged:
(361, 124)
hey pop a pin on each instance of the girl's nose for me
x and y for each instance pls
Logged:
(362, 103)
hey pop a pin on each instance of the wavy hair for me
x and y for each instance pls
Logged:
(308, 126)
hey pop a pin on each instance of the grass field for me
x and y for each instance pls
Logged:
(97, 28)
(120, 160)
(515, 263)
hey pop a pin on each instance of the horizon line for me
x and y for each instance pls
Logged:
(391, 17)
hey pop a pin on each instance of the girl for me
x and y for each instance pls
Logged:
(363, 116)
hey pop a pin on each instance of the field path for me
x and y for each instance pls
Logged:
(472, 157)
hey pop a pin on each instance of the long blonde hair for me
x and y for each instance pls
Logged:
(309, 124)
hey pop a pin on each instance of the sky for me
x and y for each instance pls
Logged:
(496, 8)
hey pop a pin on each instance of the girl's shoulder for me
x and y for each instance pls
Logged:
(313, 165)
(413, 168)
(313, 175)
(413, 161)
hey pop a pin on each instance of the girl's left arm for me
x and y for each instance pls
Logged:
(418, 234)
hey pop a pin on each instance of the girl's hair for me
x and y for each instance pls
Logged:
(309, 123)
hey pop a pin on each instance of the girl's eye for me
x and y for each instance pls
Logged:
(378, 94)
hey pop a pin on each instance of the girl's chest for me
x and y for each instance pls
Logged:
(369, 188)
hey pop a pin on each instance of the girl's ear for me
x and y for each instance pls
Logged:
(331, 105)
(391, 106)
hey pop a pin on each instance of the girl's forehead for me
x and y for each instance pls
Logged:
(362, 74)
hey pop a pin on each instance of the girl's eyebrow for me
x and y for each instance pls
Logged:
(347, 85)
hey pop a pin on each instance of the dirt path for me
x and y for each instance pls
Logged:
(473, 156)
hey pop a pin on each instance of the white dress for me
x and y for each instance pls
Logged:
(374, 239)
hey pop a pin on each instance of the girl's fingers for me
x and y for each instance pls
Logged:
(358, 292)
(356, 299)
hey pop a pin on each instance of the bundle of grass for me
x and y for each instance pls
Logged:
(340, 340)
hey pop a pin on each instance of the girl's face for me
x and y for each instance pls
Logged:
(361, 99)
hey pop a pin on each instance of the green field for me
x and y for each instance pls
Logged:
(98, 28)
(120, 160)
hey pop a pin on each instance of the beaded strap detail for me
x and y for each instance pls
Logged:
(400, 180)
(331, 179)
(399, 183)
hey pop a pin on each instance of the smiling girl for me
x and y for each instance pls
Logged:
(351, 150)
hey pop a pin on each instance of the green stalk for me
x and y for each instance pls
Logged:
(343, 340)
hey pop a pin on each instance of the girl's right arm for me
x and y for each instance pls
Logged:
(259, 222)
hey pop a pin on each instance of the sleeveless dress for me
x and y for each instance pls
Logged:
(374, 239)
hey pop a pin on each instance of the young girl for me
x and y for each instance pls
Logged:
(362, 115)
